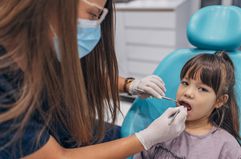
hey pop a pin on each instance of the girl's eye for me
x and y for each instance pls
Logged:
(184, 83)
(201, 89)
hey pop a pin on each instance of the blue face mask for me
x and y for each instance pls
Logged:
(89, 34)
(87, 38)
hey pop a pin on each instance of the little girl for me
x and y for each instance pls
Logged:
(212, 125)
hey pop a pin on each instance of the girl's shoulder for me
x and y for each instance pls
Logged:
(226, 136)
(227, 140)
(230, 146)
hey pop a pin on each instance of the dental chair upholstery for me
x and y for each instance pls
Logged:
(210, 29)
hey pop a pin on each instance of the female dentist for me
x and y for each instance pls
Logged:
(48, 105)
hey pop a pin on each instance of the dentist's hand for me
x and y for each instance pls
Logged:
(160, 130)
(148, 86)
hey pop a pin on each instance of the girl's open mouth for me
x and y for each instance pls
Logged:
(185, 104)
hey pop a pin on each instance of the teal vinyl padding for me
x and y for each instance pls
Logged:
(216, 28)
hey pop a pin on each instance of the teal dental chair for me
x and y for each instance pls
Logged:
(210, 29)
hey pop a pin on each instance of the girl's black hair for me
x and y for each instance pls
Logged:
(217, 71)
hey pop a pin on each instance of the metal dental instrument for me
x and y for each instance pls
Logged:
(170, 99)
(173, 116)
(163, 97)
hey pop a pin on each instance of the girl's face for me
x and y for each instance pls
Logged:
(198, 98)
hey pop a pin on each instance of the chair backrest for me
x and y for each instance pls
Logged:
(210, 29)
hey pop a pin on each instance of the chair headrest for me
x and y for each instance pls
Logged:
(216, 28)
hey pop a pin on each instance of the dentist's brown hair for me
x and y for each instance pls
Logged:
(28, 49)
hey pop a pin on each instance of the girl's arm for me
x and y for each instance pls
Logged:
(118, 149)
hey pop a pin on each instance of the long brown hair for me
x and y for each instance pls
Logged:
(25, 36)
(217, 71)
(101, 75)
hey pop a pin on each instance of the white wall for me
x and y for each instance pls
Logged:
(227, 2)
(195, 6)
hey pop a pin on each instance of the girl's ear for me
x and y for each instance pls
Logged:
(221, 101)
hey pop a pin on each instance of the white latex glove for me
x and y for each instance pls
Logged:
(148, 86)
(160, 130)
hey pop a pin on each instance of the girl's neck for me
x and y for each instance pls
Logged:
(198, 127)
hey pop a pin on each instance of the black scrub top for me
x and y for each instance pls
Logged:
(9, 82)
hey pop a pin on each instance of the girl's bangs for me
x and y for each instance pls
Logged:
(206, 70)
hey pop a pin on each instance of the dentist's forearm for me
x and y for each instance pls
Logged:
(118, 149)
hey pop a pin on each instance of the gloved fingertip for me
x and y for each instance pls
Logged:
(160, 96)
(184, 108)
(155, 76)
(183, 111)
(164, 89)
(181, 107)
